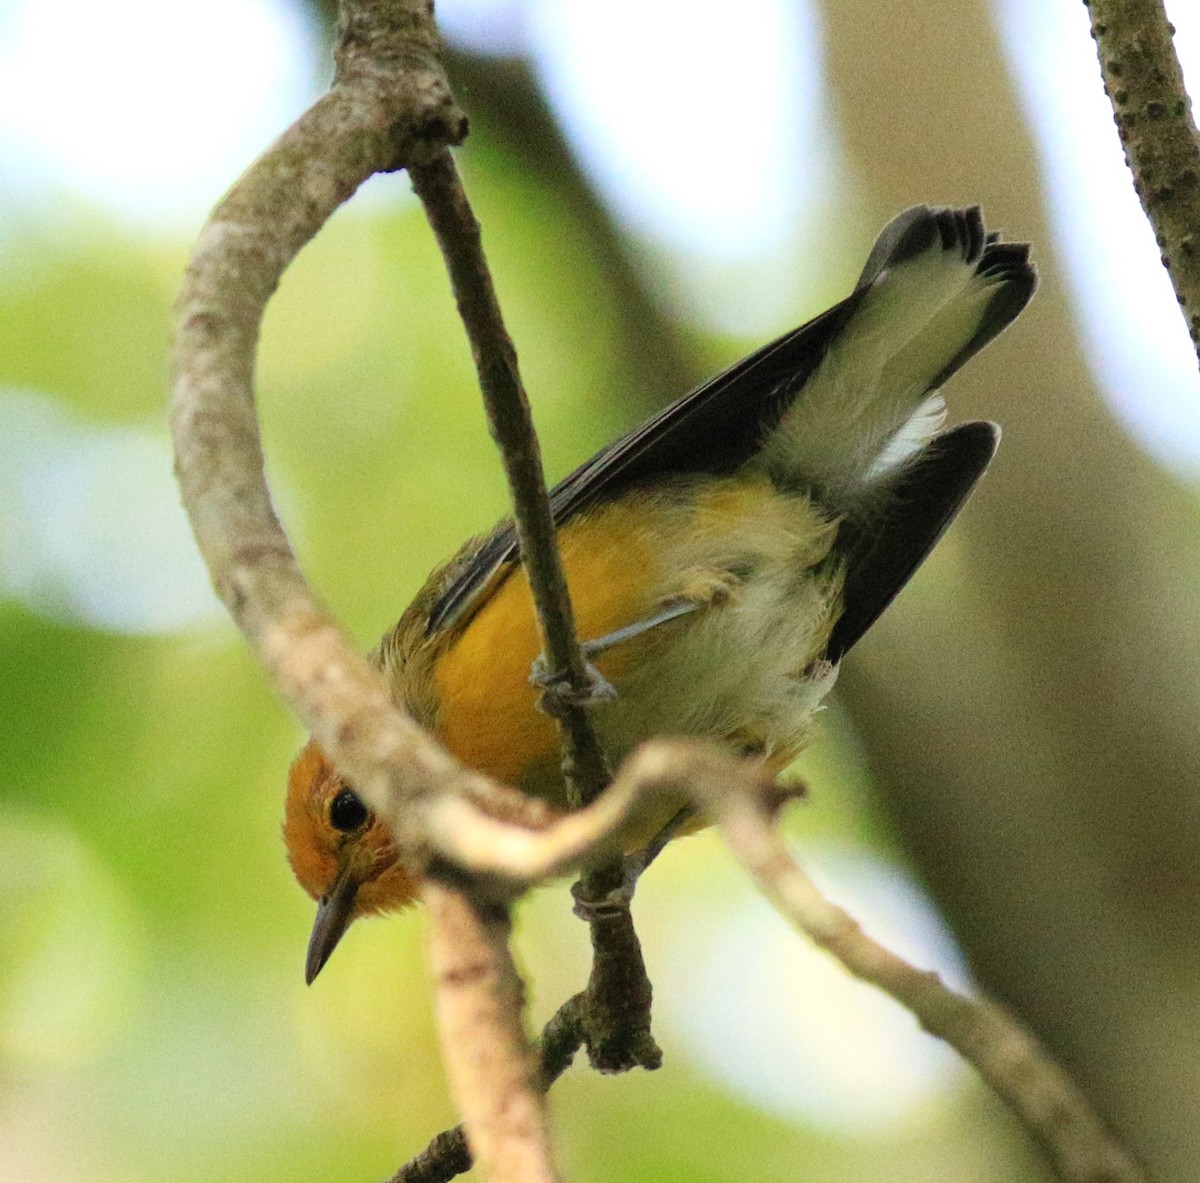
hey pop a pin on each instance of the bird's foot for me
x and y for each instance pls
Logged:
(559, 692)
(634, 866)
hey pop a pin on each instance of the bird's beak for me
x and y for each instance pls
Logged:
(335, 910)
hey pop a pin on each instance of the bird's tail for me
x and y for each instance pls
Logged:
(936, 288)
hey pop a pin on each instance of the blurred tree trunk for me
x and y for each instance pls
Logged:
(1036, 731)
(504, 98)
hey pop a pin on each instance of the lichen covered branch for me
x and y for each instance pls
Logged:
(1153, 113)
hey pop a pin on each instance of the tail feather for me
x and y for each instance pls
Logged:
(936, 288)
(839, 407)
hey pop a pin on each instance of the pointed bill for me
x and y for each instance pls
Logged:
(335, 910)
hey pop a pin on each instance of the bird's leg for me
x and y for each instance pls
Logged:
(556, 689)
(704, 588)
(669, 611)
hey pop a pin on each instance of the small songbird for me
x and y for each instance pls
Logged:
(722, 558)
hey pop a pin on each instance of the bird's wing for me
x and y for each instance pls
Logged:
(722, 423)
(713, 429)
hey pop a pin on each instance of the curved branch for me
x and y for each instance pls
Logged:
(390, 107)
(742, 802)
(499, 850)
(1144, 82)
(369, 121)
(1006, 1056)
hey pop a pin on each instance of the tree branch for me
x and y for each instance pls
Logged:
(1006, 1056)
(390, 107)
(479, 1004)
(1153, 113)
(448, 1155)
(619, 992)
(743, 803)
(366, 123)
(511, 423)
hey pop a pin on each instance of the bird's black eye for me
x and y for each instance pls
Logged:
(347, 812)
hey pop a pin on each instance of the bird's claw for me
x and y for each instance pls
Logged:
(559, 692)
(633, 867)
(612, 904)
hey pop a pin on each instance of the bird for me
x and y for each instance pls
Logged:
(722, 558)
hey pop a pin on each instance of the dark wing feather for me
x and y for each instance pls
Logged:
(922, 500)
(721, 424)
(714, 429)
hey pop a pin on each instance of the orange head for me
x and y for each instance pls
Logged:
(342, 855)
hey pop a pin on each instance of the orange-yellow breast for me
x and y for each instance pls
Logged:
(751, 557)
(486, 703)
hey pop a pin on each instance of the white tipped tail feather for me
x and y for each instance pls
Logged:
(935, 289)
(842, 410)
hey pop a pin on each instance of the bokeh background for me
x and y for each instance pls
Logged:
(1007, 782)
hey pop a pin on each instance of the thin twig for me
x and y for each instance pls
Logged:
(1144, 82)
(510, 420)
(448, 1154)
(620, 991)
(616, 1018)
(479, 1006)
(1006, 1056)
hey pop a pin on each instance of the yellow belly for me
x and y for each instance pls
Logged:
(753, 560)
